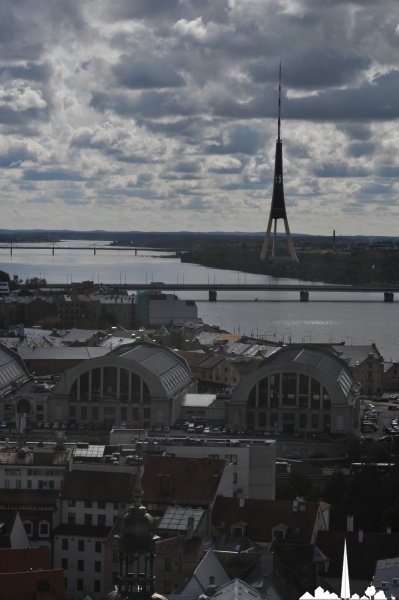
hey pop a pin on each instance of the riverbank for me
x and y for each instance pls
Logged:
(357, 267)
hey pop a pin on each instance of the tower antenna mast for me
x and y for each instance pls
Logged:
(277, 209)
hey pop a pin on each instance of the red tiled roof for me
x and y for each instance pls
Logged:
(97, 486)
(169, 546)
(33, 585)
(362, 555)
(183, 481)
(15, 560)
(36, 457)
(67, 529)
(211, 360)
(28, 498)
(263, 515)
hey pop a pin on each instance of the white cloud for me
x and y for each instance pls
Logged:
(174, 105)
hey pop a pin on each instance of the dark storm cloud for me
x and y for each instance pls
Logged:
(376, 100)
(53, 175)
(340, 170)
(16, 155)
(28, 27)
(39, 72)
(136, 74)
(239, 139)
(361, 149)
(169, 11)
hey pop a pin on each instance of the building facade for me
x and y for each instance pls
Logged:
(297, 389)
(137, 383)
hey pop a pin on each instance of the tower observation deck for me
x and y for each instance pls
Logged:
(277, 209)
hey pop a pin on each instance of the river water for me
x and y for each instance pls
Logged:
(352, 318)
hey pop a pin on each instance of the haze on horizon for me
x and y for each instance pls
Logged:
(162, 116)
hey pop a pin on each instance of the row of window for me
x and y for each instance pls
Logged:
(44, 528)
(80, 564)
(81, 545)
(41, 484)
(88, 519)
(31, 472)
(90, 504)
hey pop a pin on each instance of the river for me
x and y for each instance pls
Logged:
(351, 318)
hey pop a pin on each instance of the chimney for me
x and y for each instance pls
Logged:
(211, 587)
(360, 536)
(389, 529)
(349, 523)
(242, 501)
(190, 528)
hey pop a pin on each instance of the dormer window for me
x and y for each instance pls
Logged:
(280, 531)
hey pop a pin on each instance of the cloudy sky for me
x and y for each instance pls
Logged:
(162, 114)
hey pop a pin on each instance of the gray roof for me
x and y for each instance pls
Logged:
(197, 584)
(175, 518)
(169, 367)
(387, 570)
(324, 361)
(61, 353)
(355, 354)
(200, 400)
(12, 371)
(79, 335)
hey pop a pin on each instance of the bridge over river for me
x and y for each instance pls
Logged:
(304, 290)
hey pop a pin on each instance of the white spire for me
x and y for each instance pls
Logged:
(345, 586)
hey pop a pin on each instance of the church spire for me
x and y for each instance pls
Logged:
(345, 585)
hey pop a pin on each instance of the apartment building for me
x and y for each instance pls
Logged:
(90, 503)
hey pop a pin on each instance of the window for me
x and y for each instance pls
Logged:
(98, 546)
(116, 506)
(81, 565)
(64, 564)
(97, 566)
(79, 585)
(44, 529)
(71, 518)
(65, 543)
(71, 503)
(28, 525)
(88, 503)
(101, 505)
(6, 483)
(18, 484)
(97, 585)
(168, 564)
(234, 477)
(167, 587)
(231, 458)
(101, 520)
(88, 519)
(29, 484)
(81, 546)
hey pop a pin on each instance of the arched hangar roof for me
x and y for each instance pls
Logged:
(164, 371)
(320, 364)
(13, 372)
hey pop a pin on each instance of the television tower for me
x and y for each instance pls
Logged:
(277, 209)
